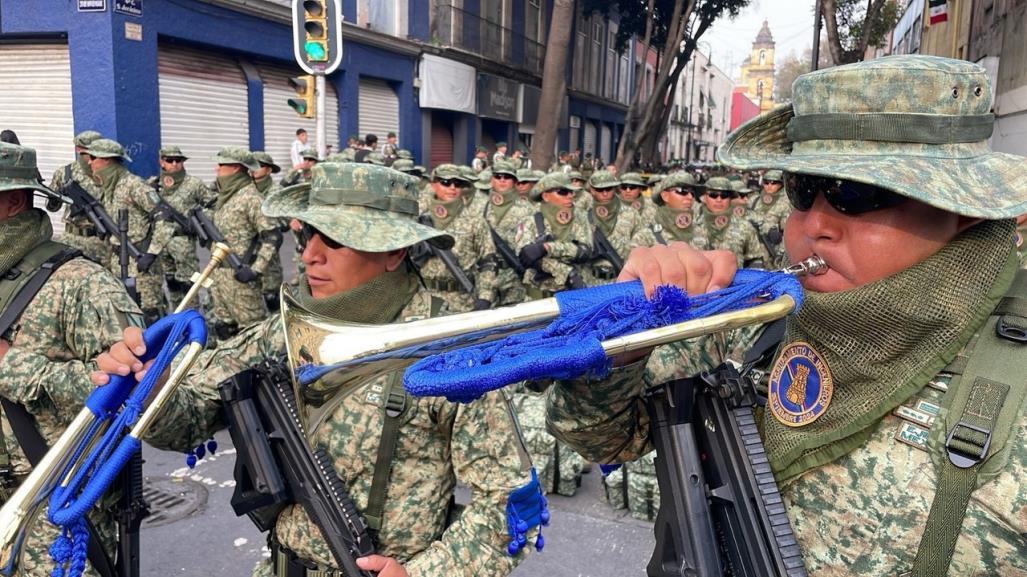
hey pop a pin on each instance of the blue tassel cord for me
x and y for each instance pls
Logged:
(571, 346)
(526, 508)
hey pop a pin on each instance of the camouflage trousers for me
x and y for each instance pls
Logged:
(179, 262)
(92, 247)
(510, 288)
(235, 303)
(456, 301)
(150, 285)
(559, 467)
(633, 486)
(35, 560)
(272, 278)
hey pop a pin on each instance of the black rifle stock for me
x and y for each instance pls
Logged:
(507, 253)
(275, 465)
(720, 509)
(122, 232)
(448, 259)
(208, 234)
(84, 203)
(607, 251)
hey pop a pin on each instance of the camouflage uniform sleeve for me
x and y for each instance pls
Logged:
(194, 412)
(146, 199)
(91, 311)
(485, 281)
(605, 421)
(264, 227)
(755, 253)
(57, 180)
(642, 235)
(490, 458)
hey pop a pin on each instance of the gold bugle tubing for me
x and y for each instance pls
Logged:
(219, 251)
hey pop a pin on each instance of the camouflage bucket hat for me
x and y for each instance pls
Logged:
(233, 155)
(552, 181)
(774, 175)
(18, 171)
(404, 153)
(527, 175)
(922, 132)
(484, 181)
(366, 207)
(172, 152)
(449, 172)
(505, 167)
(107, 148)
(674, 180)
(633, 178)
(719, 183)
(310, 154)
(402, 164)
(603, 179)
(265, 159)
(86, 137)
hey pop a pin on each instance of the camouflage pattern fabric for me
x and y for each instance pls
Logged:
(509, 225)
(273, 277)
(726, 232)
(555, 268)
(76, 228)
(643, 489)
(626, 232)
(1021, 246)
(769, 212)
(475, 254)
(547, 453)
(179, 258)
(241, 223)
(291, 177)
(295, 176)
(439, 444)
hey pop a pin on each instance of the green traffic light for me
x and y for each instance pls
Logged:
(316, 51)
(298, 105)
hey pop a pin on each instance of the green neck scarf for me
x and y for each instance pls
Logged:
(560, 231)
(716, 225)
(84, 165)
(637, 204)
(231, 184)
(263, 185)
(176, 180)
(677, 223)
(108, 176)
(376, 302)
(508, 199)
(884, 341)
(444, 213)
(606, 223)
(21, 233)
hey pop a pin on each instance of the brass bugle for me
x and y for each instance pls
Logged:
(20, 511)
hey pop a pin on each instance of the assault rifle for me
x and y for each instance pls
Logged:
(122, 230)
(506, 253)
(83, 203)
(605, 250)
(275, 465)
(207, 233)
(448, 259)
(720, 509)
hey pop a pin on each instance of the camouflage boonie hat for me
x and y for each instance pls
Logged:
(404, 153)
(265, 159)
(235, 155)
(310, 154)
(449, 171)
(740, 187)
(484, 180)
(656, 178)
(172, 152)
(401, 164)
(922, 132)
(527, 175)
(107, 148)
(552, 181)
(86, 137)
(362, 206)
(674, 180)
(603, 179)
(504, 167)
(633, 178)
(18, 171)
(575, 175)
(375, 157)
(719, 183)
(774, 175)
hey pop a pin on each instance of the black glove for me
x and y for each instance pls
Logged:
(531, 254)
(774, 236)
(482, 305)
(585, 253)
(145, 261)
(245, 274)
(574, 281)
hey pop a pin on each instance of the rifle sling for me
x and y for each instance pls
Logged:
(394, 408)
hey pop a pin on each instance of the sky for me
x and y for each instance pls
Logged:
(791, 25)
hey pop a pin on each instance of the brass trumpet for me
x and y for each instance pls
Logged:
(21, 509)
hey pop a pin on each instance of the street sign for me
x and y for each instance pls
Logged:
(317, 35)
(92, 5)
(130, 7)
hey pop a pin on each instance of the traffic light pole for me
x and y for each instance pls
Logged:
(319, 111)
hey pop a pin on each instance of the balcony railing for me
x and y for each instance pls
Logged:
(456, 27)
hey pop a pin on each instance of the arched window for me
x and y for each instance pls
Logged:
(763, 57)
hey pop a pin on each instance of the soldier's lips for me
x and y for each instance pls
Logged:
(316, 280)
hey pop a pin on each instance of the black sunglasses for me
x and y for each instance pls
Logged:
(502, 177)
(717, 194)
(845, 196)
(680, 191)
(562, 191)
(630, 187)
(447, 182)
(173, 160)
(307, 232)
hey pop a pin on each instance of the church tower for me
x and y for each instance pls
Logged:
(757, 71)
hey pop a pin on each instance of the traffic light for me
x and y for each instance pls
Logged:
(317, 35)
(304, 87)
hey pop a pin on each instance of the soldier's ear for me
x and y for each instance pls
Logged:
(394, 259)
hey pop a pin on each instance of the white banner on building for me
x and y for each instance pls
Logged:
(447, 85)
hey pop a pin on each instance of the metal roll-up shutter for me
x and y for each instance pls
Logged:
(441, 142)
(590, 138)
(39, 110)
(281, 121)
(203, 106)
(378, 110)
(605, 138)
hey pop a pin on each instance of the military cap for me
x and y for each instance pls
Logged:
(419, 170)
(718, 183)
(550, 182)
(362, 206)
(107, 148)
(18, 171)
(310, 154)
(172, 152)
(656, 178)
(484, 180)
(504, 167)
(523, 149)
(634, 179)
(469, 173)
(921, 132)
(266, 160)
(86, 137)
(741, 187)
(375, 157)
(236, 155)
(500, 143)
(527, 175)
(603, 179)
(480, 148)
(773, 176)
(354, 137)
(449, 172)
(404, 153)
(402, 165)
(390, 135)
(674, 180)
(575, 175)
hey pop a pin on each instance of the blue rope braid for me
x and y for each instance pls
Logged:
(70, 503)
(571, 345)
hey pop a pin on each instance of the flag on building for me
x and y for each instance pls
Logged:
(938, 11)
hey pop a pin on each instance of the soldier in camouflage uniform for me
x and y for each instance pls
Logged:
(46, 354)
(505, 212)
(621, 225)
(474, 252)
(631, 187)
(272, 279)
(914, 225)
(582, 199)
(674, 209)
(719, 229)
(237, 295)
(526, 179)
(149, 234)
(78, 231)
(555, 244)
(182, 192)
(480, 161)
(302, 172)
(769, 211)
(358, 272)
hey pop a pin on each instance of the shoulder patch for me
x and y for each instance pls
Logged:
(800, 385)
